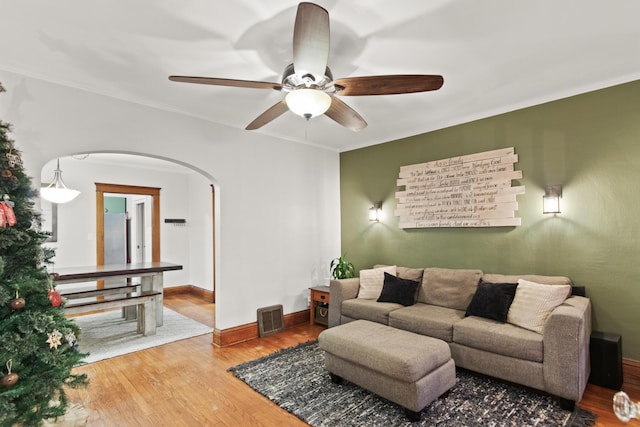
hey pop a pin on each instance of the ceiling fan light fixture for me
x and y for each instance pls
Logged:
(308, 103)
(309, 92)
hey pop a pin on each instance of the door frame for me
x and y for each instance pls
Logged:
(213, 227)
(101, 189)
(140, 223)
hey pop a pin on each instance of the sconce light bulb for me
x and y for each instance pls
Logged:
(375, 212)
(551, 199)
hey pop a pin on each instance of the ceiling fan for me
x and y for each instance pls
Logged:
(308, 82)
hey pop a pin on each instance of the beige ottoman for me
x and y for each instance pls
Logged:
(409, 369)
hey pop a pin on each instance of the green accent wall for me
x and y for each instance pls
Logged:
(115, 205)
(590, 144)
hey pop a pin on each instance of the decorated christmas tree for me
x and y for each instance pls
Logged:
(38, 345)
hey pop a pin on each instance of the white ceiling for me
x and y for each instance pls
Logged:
(495, 55)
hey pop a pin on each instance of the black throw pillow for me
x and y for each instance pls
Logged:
(400, 291)
(492, 300)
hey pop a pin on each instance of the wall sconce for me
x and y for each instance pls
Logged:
(57, 192)
(375, 212)
(551, 199)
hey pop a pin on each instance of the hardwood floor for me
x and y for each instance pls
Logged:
(186, 383)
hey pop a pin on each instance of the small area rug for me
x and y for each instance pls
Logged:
(106, 335)
(295, 379)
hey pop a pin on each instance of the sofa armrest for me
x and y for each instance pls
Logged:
(566, 336)
(340, 290)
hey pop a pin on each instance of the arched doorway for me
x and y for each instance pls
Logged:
(84, 171)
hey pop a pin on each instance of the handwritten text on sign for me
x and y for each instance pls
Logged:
(467, 191)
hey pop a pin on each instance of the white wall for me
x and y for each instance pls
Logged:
(278, 219)
(200, 231)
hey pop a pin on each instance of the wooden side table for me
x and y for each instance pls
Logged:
(320, 302)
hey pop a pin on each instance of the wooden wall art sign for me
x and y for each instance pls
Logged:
(467, 191)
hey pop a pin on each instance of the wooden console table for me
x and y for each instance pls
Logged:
(150, 273)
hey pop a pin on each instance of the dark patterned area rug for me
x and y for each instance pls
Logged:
(295, 379)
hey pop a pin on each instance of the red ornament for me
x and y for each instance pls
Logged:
(7, 215)
(55, 298)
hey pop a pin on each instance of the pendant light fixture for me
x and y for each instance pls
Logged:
(57, 192)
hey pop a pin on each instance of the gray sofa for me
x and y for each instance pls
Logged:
(555, 361)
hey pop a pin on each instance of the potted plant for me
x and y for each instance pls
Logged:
(341, 268)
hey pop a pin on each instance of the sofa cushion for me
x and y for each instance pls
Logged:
(501, 338)
(452, 288)
(406, 272)
(513, 278)
(492, 300)
(400, 291)
(424, 319)
(410, 273)
(534, 302)
(368, 309)
(371, 281)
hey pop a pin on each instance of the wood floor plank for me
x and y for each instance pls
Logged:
(186, 383)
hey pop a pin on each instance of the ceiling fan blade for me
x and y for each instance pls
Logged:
(272, 113)
(345, 115)
(388, 85)
(226, 82)
(311, 40)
